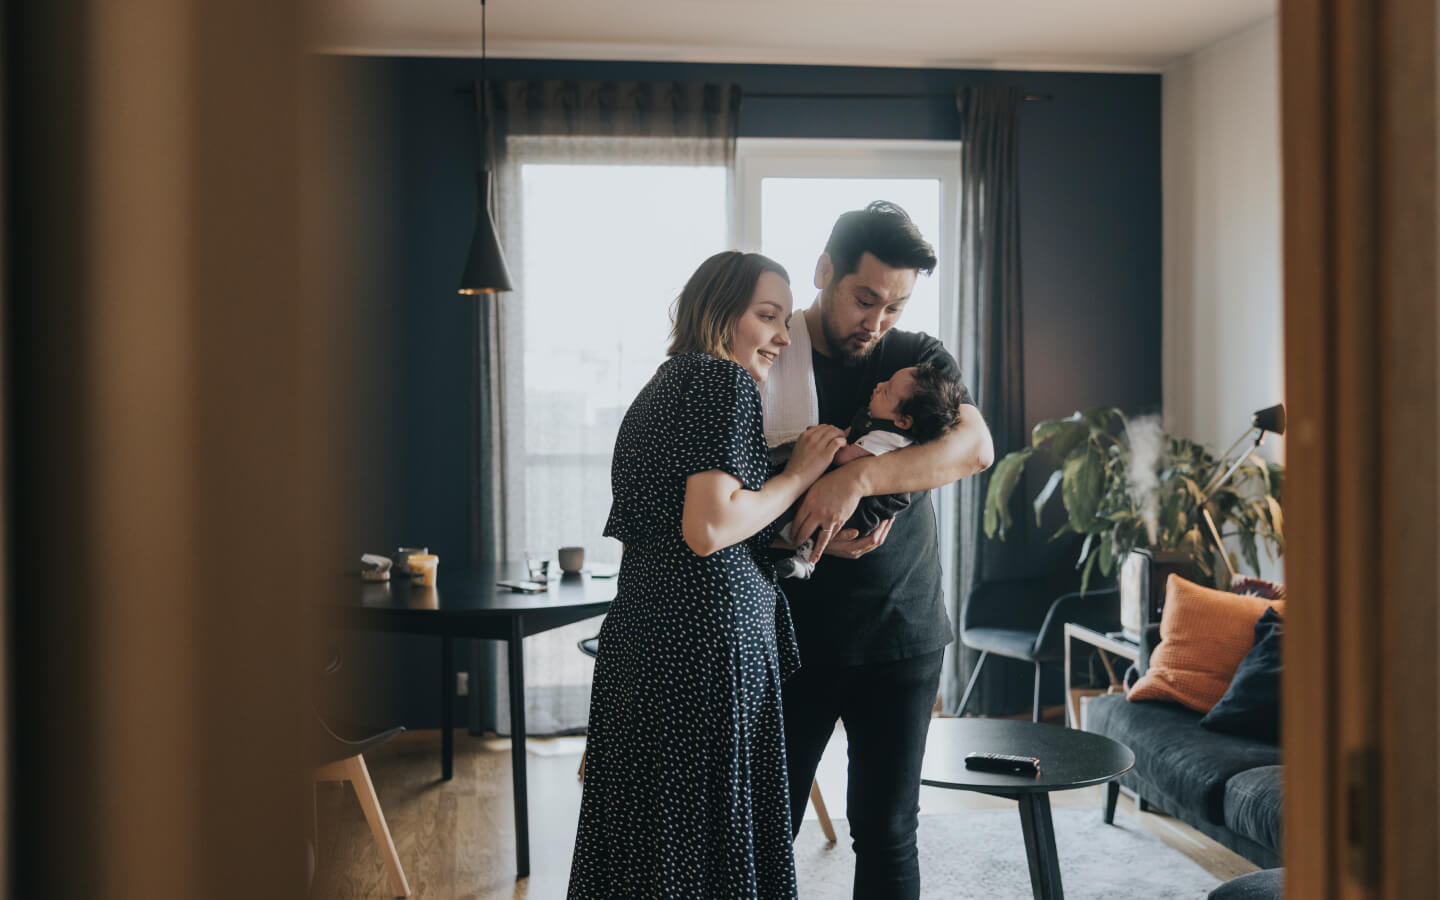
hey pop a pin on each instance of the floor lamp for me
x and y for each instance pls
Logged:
(1270, 420)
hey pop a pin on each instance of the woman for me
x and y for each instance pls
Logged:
(685, 783)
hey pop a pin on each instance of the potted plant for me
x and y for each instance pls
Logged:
(1127, 484)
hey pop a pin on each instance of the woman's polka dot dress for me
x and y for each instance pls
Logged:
(685, 787)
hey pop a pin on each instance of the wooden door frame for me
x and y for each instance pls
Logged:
(1358, 101)
(156, 465)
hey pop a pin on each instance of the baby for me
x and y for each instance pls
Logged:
(916, 405)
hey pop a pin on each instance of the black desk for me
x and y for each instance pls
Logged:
(1069, 759)
(467, 604)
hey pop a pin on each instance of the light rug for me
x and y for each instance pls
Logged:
(980, 855)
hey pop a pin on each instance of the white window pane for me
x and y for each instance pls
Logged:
(796, 215)
(606, 251)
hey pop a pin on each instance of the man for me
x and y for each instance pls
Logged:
(871, 621)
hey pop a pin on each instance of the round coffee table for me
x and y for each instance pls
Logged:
(1069, 759)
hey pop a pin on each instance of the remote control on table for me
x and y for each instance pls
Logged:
(1000, 762)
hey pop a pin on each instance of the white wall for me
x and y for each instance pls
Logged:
(1222, 283)
(1222, 335)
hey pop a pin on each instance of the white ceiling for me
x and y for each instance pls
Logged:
(1084, 35)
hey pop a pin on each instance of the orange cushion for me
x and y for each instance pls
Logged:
(1204, 634)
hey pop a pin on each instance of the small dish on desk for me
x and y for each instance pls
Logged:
(602, 571)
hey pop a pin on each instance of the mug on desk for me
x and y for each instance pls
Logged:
(572, 560)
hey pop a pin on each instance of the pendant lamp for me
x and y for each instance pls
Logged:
(485, 268)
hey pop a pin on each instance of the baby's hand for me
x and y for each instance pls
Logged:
(850, 453)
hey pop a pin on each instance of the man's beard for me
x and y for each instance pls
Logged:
(840, 345)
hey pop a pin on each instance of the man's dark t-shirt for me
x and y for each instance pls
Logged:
(888, 604)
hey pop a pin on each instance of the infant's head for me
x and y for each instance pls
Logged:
(922, 400)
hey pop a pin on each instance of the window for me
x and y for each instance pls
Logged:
(608, 232)
(791, 192)
(607, 249)
(607, 246)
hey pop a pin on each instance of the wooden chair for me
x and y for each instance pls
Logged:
(591, 646)
(338, 756)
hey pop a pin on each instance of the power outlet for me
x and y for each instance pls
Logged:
(462, 683)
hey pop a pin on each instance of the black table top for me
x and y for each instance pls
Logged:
(466, 598)
(1069, 758)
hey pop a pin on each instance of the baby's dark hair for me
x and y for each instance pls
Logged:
(935, 405)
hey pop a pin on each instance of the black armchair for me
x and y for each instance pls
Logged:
(1024, 619)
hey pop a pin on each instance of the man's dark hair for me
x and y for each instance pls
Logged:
(885, 231)
(935, 405)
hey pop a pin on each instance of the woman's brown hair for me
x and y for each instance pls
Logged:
(713, 300)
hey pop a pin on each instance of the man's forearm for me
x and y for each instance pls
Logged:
(962, 451)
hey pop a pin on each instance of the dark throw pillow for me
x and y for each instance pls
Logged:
(1251, 706)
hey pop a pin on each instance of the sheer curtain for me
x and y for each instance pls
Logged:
(991, 348)
(609, 194)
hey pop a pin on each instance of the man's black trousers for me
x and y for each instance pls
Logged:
(886, 709)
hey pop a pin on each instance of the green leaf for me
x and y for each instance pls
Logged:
(1100, 417)
(1263, 471)
(1085, 549)
(1247, 550)
(1106, 560)
(1085, 576)
(1083, 488)
(1046, 492)
(1194, 544)
(1060, 436)
(1003, 480)
(1277, 515)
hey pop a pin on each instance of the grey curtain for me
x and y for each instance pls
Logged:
(992, 356)
(614, 109)
(574, 122)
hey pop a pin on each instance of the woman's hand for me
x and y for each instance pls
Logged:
(719, 512)
(814, 450)
(828, 504)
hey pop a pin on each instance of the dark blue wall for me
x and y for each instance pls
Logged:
(1091, 256)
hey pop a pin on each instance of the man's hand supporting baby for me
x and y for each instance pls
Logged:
(962, 451)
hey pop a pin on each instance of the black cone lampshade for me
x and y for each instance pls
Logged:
(1271, 419)
(485, 269)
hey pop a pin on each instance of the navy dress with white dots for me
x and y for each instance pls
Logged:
(686, 793)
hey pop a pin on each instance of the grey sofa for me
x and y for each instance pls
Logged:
(1225, 786)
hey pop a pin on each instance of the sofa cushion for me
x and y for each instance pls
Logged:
(1186, 763)
(1251, 705)
(1204, 634)
(1253, 802)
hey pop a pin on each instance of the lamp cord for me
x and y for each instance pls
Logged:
(484, 96)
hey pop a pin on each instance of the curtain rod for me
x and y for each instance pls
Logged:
(912, 95)
(783, 95)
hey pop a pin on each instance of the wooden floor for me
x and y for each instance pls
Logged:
(456, 838)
